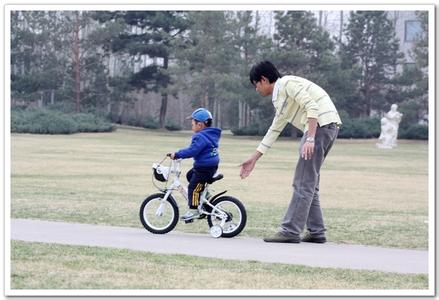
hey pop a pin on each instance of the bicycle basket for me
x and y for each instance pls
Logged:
(161, 173)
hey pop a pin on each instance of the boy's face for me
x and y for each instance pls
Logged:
(197, 126)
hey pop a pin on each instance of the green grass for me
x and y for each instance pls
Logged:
(49, 266)
(369, 196)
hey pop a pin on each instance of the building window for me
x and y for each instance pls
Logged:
(410, 66)
(412, 30)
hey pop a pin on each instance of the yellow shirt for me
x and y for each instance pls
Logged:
(296, 99)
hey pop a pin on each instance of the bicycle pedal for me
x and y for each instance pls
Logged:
(188, 221)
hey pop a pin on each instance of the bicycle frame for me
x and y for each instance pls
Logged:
(175, 171)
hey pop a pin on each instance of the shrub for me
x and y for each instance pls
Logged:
(41, 121)
(45, 121)
(150, 122)
(92, 123)
(248, 130)
(133, 121)
(414, 132)
(171, 126)
(371, 128)
(360, 128)
(259, 128)
(355, 128)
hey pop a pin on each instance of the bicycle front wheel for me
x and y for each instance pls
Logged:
(158, 216)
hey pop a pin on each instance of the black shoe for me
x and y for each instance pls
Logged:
(281, 238)
(313, 239)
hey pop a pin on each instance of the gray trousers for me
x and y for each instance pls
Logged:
(304, 208)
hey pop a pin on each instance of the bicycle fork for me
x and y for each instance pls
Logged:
(161, 208)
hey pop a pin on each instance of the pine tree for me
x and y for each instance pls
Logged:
(208, 62)
(38, 56)
(251, 45)
(372, 51)
(150, 33)
(303, 48)
(56, 59)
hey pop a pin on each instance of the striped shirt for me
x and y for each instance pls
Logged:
(296, 99)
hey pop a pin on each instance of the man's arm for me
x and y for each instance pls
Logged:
(308, 146)
(302, 97)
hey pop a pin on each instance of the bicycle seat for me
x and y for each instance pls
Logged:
(216, 177)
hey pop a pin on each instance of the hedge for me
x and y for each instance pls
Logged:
(44, 121)
(352, 128)
(360, 128)
(414, 132)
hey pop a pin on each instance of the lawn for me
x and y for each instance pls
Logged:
(369, 196)
(59, 267)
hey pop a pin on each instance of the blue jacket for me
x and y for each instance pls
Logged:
(203, 148)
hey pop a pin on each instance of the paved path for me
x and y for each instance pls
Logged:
(238, 248)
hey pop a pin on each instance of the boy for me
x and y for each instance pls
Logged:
(204, 150)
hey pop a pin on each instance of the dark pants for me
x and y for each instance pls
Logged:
(197, 178)
(304, 208)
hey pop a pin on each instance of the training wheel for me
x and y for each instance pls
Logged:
(216, 231)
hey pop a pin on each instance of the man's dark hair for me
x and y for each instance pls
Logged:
(266, 69)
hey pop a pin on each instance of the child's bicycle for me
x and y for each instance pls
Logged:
(159, 214)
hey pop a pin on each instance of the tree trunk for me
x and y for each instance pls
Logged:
(164, 104)
(40, 101)
(248, 118)
(52, 97)
(341, 26)
(218, 114)
(205, 101)
(240, 113)
(76, 64)
(163, 108)
(214, 111)
(257, 22)
(182, 115)
(367, 100)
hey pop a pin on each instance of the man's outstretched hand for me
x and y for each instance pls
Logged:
(248, 165)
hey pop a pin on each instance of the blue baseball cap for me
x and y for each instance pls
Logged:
(201, 115)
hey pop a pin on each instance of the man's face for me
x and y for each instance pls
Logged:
(263, 87)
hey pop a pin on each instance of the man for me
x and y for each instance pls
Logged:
(308, 107)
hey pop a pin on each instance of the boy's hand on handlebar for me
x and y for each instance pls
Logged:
(171, 155)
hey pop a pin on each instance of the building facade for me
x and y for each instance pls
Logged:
(407, 27)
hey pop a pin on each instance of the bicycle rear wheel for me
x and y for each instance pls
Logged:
(236, 216)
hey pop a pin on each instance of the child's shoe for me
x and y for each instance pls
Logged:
(191, 214)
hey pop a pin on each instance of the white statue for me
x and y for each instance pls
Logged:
(389, 128)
